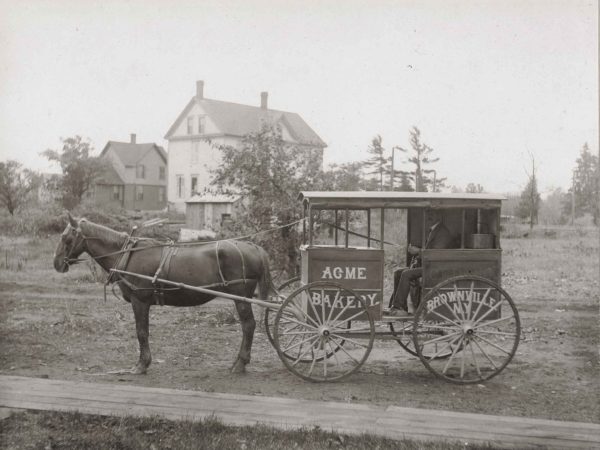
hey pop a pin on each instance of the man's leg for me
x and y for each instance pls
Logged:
(401, 295)
(397, 275)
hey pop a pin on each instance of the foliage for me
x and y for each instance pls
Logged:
(344, 177)
(80, 169)
(529, 204)
(550, 208)
(473, 188)
(420, 156)
(269, 173)
(586, 186)
(377, 163)
(15, 185)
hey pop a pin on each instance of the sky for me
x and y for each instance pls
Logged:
(490, 84)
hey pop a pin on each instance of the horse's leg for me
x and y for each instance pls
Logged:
(248, 325)
(141, 311)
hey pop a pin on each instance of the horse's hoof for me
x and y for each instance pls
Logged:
(238, 367)
(138, 370)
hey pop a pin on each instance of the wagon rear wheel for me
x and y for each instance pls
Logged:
(475, 320)
(281, 293)
(403, 332)
(323, 332)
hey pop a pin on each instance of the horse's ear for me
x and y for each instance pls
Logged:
(72, 221)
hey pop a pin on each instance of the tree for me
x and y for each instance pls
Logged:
(420, 157)
(529, 204)
(268, 173)
(80, 169)
(15, 184)
(344, 177)
(585, 187)
(473, 188)
(378, 162)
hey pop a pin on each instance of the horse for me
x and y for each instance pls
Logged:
(233, 267)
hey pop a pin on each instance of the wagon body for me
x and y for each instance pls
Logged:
(472, 219)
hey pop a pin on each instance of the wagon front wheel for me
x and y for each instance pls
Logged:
(323, 332)
(474, 322)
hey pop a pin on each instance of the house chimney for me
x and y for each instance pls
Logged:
(133, 138)
(264, 97)
(200, 89)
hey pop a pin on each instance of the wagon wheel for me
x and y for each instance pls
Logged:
(281, 292)
(332, 341)
(476, 320)
(403, 331)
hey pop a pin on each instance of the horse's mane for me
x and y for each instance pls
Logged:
(102, 232)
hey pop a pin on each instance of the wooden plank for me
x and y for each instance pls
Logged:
(351, 418)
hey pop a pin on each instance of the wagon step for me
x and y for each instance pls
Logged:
(387, 317)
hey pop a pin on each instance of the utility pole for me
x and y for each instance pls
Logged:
(392, 175)
(573, 199)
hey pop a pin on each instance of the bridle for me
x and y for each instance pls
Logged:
(68, 260)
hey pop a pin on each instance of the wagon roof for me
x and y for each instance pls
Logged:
(395, 199)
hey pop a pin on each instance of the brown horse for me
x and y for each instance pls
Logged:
(226, 266)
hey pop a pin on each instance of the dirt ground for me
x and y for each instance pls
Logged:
(59, 326)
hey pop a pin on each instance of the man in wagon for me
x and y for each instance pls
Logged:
(438, 237)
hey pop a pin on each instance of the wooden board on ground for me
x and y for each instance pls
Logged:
(286, 413)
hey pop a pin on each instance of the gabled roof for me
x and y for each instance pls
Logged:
(234, 119)
(110, 176)
(130, 154)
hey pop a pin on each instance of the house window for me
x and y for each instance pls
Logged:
(180, 183)
(225, 219)
(201, 124)
(190, 125)
(194, 183)
(116, 193)
(161, 173)
(195, 152)
(161, 194)
(140, 171)
(139, 193)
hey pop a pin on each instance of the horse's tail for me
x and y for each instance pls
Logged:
(264, 284)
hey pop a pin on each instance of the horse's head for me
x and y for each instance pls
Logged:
(70, 246)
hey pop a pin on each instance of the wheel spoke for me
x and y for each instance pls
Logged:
(492, 344)
(342, 311)
(304, 324)
(349, 318)
(310, 349)
(447, 319)
(498, 333)
(493, 322)
(485, 354)
(349, 355)
(337, 296)
(300, 343)
(349, 340)
(489, 311)
(447, 345)
(334, 352)
(442, 338)
(470, 345)
(452, 356)
(314, 310)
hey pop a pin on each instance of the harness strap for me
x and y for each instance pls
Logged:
(235, 244)
(223, 280)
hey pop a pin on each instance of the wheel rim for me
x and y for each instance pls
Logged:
(403, 332)
(477, 327)
(321, 343)
(284, 289)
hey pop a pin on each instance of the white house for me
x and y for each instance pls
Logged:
(204, 124)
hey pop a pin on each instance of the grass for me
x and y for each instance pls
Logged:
(59, 325)
(61, 430)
